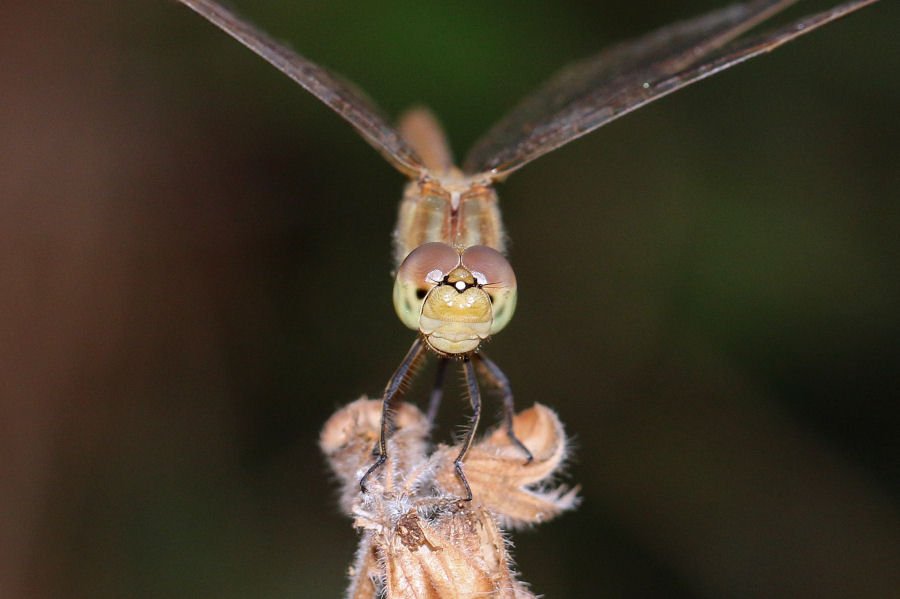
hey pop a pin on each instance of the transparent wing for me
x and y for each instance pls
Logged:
(336, 93)
(593, 92)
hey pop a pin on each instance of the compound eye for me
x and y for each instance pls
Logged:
(489, 267)
(493, 272)
(424, 268)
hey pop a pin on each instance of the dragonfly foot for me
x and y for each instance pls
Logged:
(378, 462)
(515, 441)
(457, 465)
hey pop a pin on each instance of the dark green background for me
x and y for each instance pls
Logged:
(195, 261)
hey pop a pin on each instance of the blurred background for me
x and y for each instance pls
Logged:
(195, 259)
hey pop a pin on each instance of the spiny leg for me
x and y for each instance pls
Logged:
(394, 385)
(496, 377)
(475, 400)
(437, 392)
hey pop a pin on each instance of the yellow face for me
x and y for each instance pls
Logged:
(456, 300)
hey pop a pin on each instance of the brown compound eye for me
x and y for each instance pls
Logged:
(423, 268)
(489, 267)
(493, 272)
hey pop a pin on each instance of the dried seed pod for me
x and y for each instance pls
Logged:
(418, 538)
(348, 437)
(503, 482)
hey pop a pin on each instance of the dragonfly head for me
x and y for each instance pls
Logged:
(455, 298)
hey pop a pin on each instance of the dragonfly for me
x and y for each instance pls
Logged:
(453, 284)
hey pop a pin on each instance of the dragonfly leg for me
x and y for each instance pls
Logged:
(475, 400)
(394, 386)
(437, 392)
(493, 373)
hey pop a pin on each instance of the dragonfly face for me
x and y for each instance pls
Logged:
(454, 298)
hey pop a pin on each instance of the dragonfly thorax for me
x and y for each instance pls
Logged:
(455, 298)
(456, 211)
